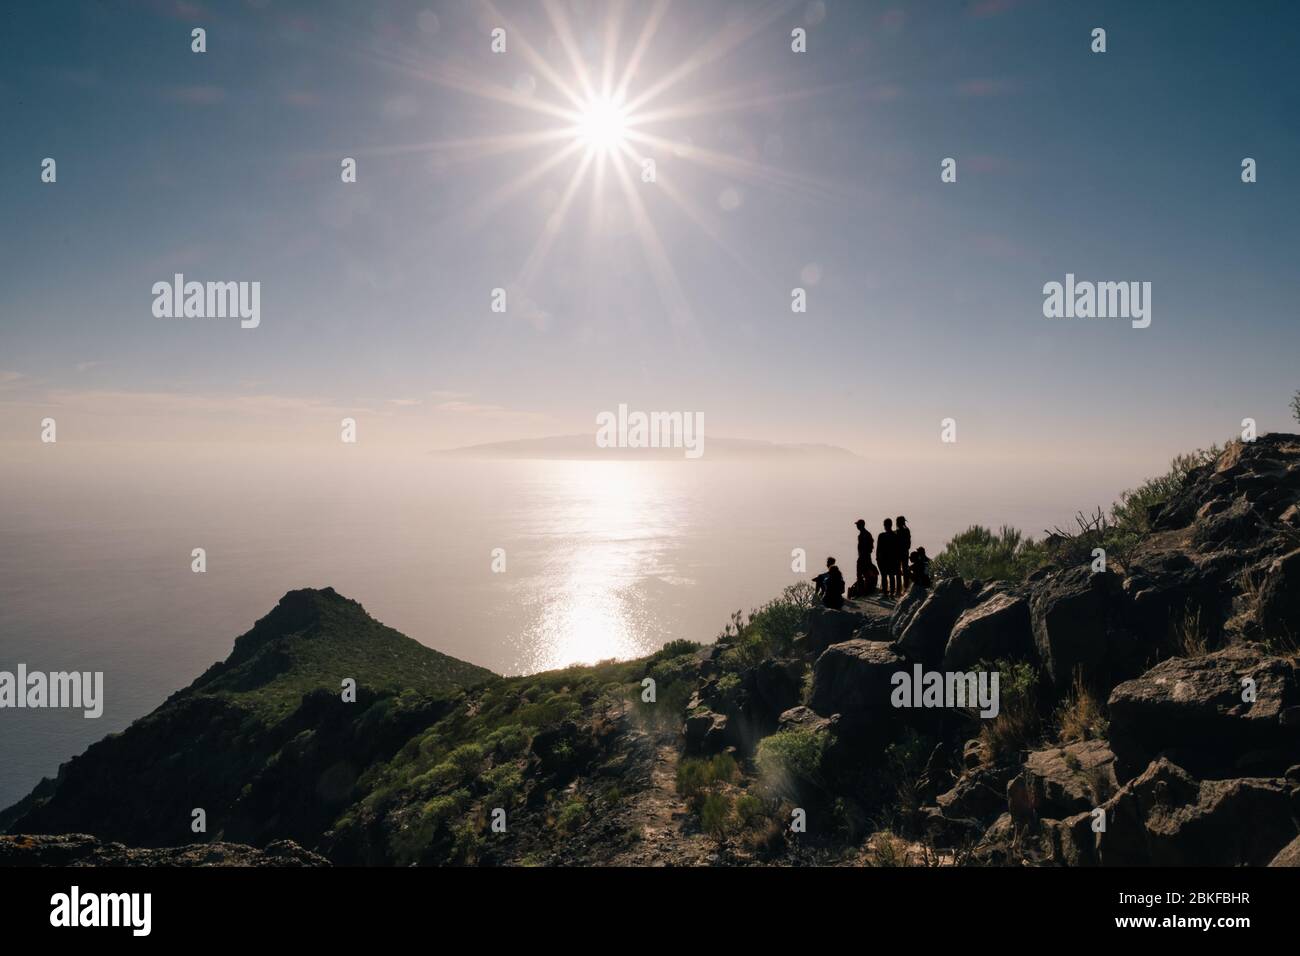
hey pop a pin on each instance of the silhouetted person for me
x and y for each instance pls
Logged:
(866, 582)
(830, 585)
(904, 549)
(920, 568)
(888, 558)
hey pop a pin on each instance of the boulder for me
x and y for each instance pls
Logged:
(825, 626)
(979, 794)
(946, 831)
(906, 607)
(1239, 525)
(1165, 817)
(1193, 710)
(1073, 839)
(776, 688)
(1073, 614)
(706, 733)
(853, 679)
(804, 718)
(998, 628)
(1063, 781)
(926, 633)
(1289, 855)
(1279, 598)
(1168, 585)
(975, 753)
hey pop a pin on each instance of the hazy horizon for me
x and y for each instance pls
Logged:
(602, 559)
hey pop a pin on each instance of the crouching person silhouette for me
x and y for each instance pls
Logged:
(830, 585)
(920, 571)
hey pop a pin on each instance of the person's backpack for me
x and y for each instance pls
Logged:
(867, 585)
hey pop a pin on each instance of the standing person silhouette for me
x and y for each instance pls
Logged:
(904, 549)
(866, 582)
(887, 558)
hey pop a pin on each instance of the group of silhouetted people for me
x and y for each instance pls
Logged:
(896, 568)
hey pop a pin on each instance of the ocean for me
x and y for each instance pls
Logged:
(519, 566)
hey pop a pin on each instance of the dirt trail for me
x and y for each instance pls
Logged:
(669, 836)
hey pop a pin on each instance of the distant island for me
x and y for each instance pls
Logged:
(583, 447)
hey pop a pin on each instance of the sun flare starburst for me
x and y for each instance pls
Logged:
(603, 125)
(612, 109)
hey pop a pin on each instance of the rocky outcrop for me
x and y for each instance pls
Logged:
(705, 733)
(1231, 712)
(1165, 817)
(1279, 599)
(1060, 782)
(82, 849)
(824, 626)
(1289, 855)
(775, 688)
(853, 679)
(926, 633)
(1265, 473)
(905, 609)
(805, 718)
(979, 794)
(1076, 616)
(994, 630)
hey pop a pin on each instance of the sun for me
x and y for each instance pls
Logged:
(616, 112)
(602, 125)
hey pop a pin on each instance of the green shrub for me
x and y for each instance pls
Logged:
(508, 741)
(979, 553)
(769, 631)
(906, 759)
(443, 808)
(715, 814)
(444, 775)
(503, 784)
(467, 758)
(750, 811)
(676, 649)
(791, 759)
(694, 775)
(723, 768)
(571, 816)
(550, 710)
(1017, 726)
(1131, 513)
(466, 843)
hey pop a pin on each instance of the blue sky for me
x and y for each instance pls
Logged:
(928, 303)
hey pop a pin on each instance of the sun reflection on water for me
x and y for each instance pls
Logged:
(606, 537)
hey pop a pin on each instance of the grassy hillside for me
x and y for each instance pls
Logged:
(313, 640)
